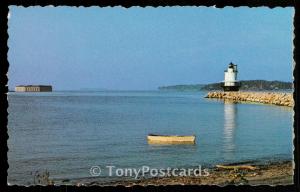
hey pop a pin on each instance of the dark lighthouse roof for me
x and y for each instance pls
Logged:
(231, 65)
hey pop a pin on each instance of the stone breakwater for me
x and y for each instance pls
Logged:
(282, 99)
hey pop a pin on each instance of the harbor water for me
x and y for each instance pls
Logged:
(68, 132)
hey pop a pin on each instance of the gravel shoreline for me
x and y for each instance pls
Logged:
(275, 173)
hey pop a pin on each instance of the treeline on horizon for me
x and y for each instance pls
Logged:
(245, 85)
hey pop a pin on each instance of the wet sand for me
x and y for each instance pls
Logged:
(278, 173)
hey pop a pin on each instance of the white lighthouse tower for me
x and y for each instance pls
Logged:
(230, 82)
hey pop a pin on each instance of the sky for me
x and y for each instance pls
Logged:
(143, 48)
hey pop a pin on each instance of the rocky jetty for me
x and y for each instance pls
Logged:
(282, 99)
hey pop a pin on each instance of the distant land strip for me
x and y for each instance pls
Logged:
(248, 85)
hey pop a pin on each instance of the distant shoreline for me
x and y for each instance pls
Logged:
(248, 85)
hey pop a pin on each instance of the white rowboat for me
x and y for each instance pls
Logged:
(171, 139)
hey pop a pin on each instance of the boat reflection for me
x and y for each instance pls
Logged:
(229, 129)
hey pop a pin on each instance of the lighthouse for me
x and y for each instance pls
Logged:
(230, 82)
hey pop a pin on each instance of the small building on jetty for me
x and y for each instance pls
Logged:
(230, 82)
(33, 88)
(231, 92)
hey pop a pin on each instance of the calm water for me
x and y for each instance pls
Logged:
(68, 132)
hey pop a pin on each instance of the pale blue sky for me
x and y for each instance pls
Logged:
(143, 48)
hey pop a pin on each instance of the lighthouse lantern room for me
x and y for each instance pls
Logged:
(230, 82)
